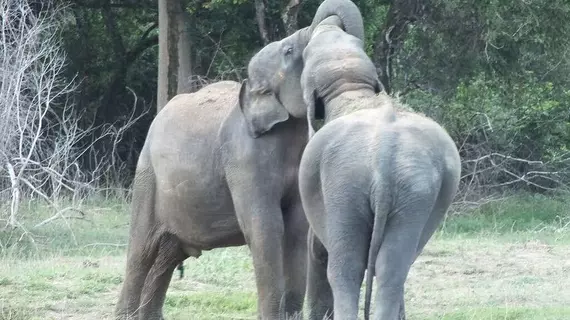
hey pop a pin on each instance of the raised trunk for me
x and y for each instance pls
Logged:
(348, 13)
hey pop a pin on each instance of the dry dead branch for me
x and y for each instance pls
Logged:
(43, 142)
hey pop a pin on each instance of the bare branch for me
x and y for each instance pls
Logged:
(43, 142)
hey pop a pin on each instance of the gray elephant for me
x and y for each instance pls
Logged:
(375, 180)
(219, 168)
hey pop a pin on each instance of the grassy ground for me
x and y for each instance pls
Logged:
(508, 260)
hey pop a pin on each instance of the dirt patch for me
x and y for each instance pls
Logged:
(483, 272)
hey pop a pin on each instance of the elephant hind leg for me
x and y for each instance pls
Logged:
(170, 254)
(319, 292)
(347, 243)
(402, 235)
(444, 199)
(138, 266)
(143, 245)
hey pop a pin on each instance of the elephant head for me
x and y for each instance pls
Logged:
(335, 64)
(272, 93)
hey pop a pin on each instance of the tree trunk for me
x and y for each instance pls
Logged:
(167, 52)
(260, 17)
(401, 14)
(185, 81)
(289, 16)
(174, 58)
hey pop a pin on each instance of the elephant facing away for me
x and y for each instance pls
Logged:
(375, 181)
(219, 168)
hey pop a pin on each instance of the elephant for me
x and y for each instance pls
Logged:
(274, 73)
(219, 168)
(375, 180)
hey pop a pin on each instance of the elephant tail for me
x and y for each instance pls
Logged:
(382, 204)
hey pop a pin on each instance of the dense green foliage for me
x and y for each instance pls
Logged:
(493, 72)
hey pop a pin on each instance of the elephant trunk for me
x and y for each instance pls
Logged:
(348, 13)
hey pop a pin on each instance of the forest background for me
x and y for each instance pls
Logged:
(83, 79)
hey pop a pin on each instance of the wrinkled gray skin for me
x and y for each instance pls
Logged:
(204, 182)
(375, 182)
(217, 171)
(275, 71)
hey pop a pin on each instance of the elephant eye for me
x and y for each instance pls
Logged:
(288, 51)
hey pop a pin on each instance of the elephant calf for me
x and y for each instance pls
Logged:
(375, 181)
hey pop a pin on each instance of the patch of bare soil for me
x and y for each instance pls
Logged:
(475, 273)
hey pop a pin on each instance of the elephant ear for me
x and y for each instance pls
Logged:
(315, 113)
(261, 111)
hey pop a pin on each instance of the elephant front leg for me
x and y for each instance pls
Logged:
(319, 292)
(295, 258)
(262, 225)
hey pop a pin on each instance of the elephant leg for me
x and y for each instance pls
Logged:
(143, 246)
(262, 224)
(397, 253)
(319, 292)
(444, 200)
(295, 258)
(170, 254)
(347, 242)
(139, 263)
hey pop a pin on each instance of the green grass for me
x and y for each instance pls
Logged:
(100, 229)
(520, 217)
(212, 305)
(505, 260)
(507, 313)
